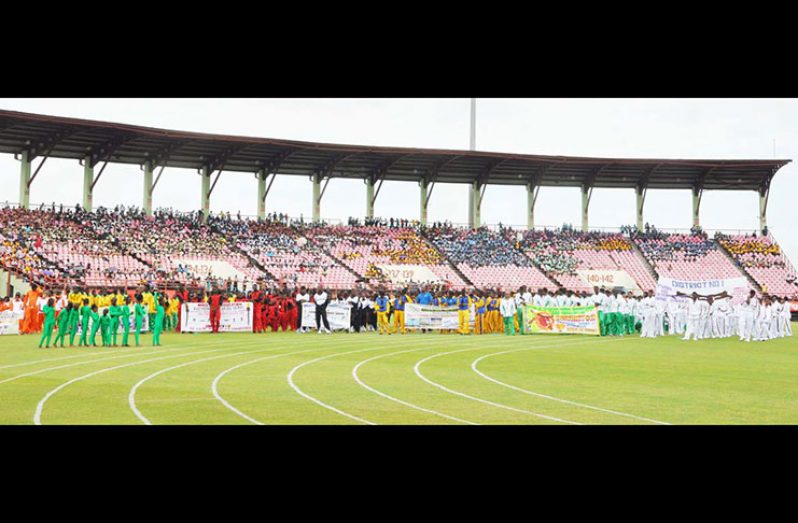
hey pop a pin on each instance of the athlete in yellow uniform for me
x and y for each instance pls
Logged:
(463, 312)
(479, 310)
(398, 304)
(174, 306)
(383, 305)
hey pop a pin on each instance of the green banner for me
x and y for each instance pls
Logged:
(560, 320)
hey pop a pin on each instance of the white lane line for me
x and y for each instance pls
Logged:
(37, 416)
(319, 402)
(397, 400)
(487, 402)
(232, 408)
(41, 371)
(136, 351)
(47, 360)
(131, 398)
(218, 378)
(475, 364)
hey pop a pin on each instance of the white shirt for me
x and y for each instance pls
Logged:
(507, 307)
(694, 309)
(621, 305)
(302, 297)
(320, 299)
(527, 297)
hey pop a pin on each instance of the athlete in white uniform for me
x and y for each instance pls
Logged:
(763, 319)
(694, 309)
(786, 317)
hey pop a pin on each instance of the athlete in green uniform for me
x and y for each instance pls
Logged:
(95, 325)
(158, 327)
(49, 322)
(74, 314)
(139, 316)
(125, 315)
(105, 328)
(85, 315)
(63, 325)
(115, 312)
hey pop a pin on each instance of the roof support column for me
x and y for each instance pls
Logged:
(205, 192)
(422, 193)
(697, 193)
(369, 197)
(261, 193)
(88, 182)
(316, 197)
(24, 181)
(475, 194)
(587, 192)
(531, 198)
(147, 197)
(640, 200)
(763, 207)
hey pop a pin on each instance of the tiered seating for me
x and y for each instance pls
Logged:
(487, 258)
(169, 241)
(363, 248)
(19, 257)
(762, 259)
(74, 243)
(561, 253)
(686, 256)
(291, 257)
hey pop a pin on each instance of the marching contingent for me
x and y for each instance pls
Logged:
(470, 311)
(695, 316)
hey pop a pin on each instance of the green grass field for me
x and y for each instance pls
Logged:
(414, 379)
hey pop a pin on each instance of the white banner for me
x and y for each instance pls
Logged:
(338, 315)
(408, 273)
(608, 278)
(668, 288)
(433, 317)
(9, 323)
(234, 317)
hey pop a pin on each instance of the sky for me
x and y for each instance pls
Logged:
(625, 128)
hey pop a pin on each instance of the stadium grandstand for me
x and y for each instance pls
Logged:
(129, 247)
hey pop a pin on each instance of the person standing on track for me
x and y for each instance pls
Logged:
(160, 312)
(115, 312)
(215, 303)
(320, 299)
(49, 322)
(74, 315)
(139, 313)
(302, 296)
(508, 309)
(105, 328)
(463, 312)
(382, 306)
(125, 316)
(399, 312)
(95, 325)
(85, 315)
(63, 325)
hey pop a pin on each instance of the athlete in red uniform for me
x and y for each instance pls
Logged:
(215, 302)
(257, 315)
(287, 312)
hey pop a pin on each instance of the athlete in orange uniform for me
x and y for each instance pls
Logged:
(31, 309)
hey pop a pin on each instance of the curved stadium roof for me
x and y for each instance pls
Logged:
(60, 137)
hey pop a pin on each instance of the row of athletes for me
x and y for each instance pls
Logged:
(87, 320)
(30, 307)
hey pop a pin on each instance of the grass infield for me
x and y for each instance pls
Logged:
(422, 379)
